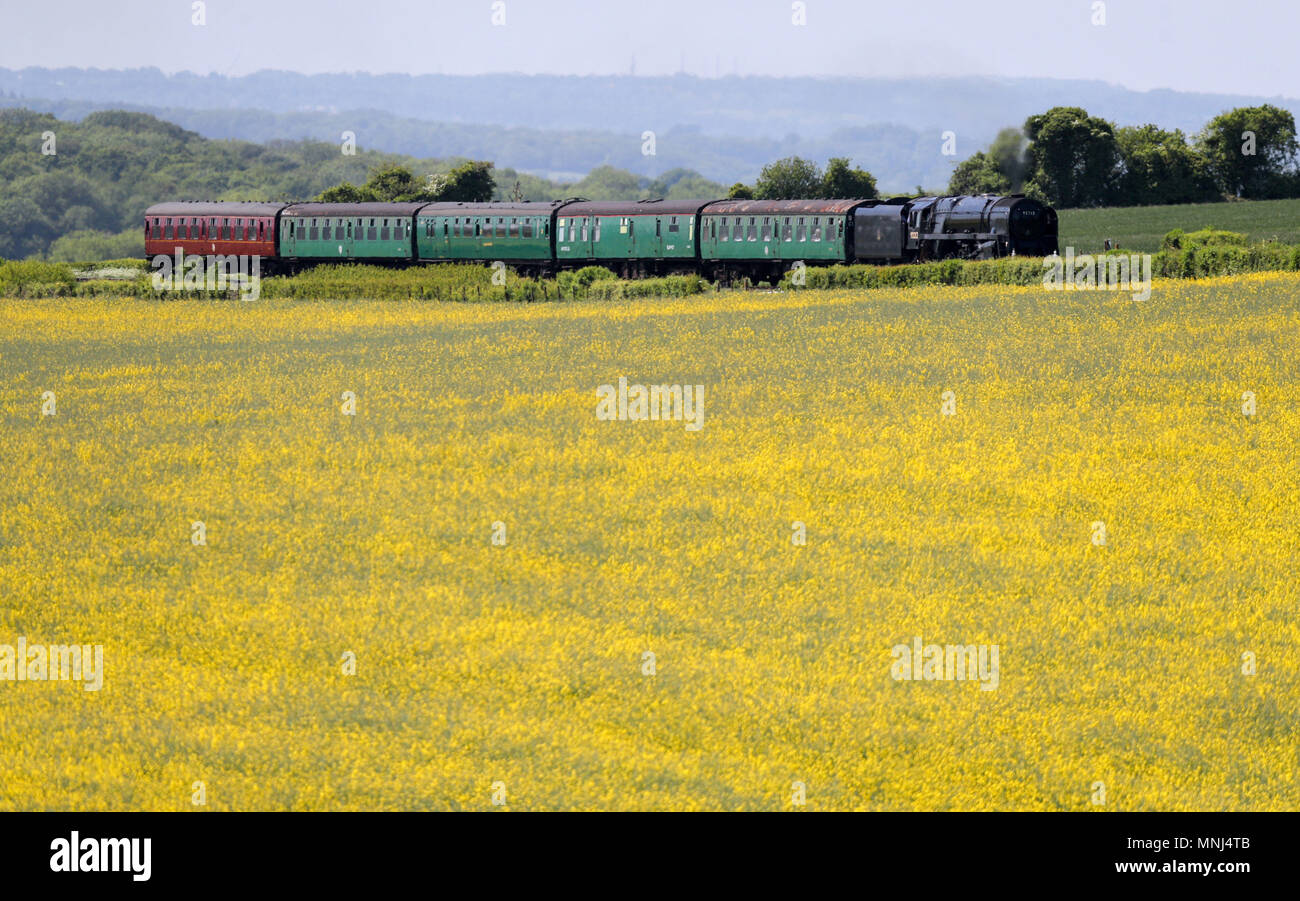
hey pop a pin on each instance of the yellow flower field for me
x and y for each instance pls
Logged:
(1155, 671)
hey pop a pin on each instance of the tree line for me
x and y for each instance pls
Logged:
(1068, 158)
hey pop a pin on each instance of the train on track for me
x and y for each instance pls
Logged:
(721, 239)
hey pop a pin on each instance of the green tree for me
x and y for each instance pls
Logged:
(1159, 167)
(740, 191)
(978, 174)
(345, 193)
(395, 184)
(1073, 159)
(471, 182)
(1250, 151)
(841, 181)
(609, 183)
(789, 179)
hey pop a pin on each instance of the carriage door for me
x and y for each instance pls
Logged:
(289, 236)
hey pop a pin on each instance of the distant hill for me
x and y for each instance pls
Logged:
(725, 128)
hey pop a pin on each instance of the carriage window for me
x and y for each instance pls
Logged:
(801, 231)
(817, 228)
(839, 230)
(313, 231)
(672, 225)
(527, 228)
(786, 233)
(726, 232)
(546, 228)
(383, 231)
(767, 228)
(514, 228)
(371, 231)
(738, 231)
(752, 233)
(584, 228)
(560, 230)
(168, 231)
(596, 223)
(292, 227)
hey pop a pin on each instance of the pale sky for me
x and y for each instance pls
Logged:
(1216, 46)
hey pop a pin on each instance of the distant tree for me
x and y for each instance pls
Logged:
(1160, 167)
(841, 181)
(395, 184)
(609, 183)
(740, 191)
(93, 246)
(345, 193)
(978, 174)
(789, 179)
(1250, 151)
(471, 182)
(1073, 158)
(683, 184)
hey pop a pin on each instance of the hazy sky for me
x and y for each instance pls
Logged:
(1221, 46)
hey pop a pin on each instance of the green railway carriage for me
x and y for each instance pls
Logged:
(634, 237)
(513, 232)
(748, 232)
(371, 232)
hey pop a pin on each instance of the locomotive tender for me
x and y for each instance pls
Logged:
(719, 238)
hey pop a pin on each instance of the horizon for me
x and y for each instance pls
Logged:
(1141, 47)
(648, 77)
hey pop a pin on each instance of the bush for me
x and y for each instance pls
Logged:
(98, 245)
(33, 278)
(589, 275)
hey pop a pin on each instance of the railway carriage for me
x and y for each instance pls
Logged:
(203, 228)
(766, 236)
(365, 232)
(518, 234)
(633, 237)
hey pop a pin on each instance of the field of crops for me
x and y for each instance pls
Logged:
(1142, 228)
(499, 564)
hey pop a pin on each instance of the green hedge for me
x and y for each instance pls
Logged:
(1187, 256)
(33, 278)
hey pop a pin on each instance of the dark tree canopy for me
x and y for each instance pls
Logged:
(841, 181)
(1073, 158)
(1160, 167)
(1251, 151)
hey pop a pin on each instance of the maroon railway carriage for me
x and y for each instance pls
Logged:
(212, 227)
